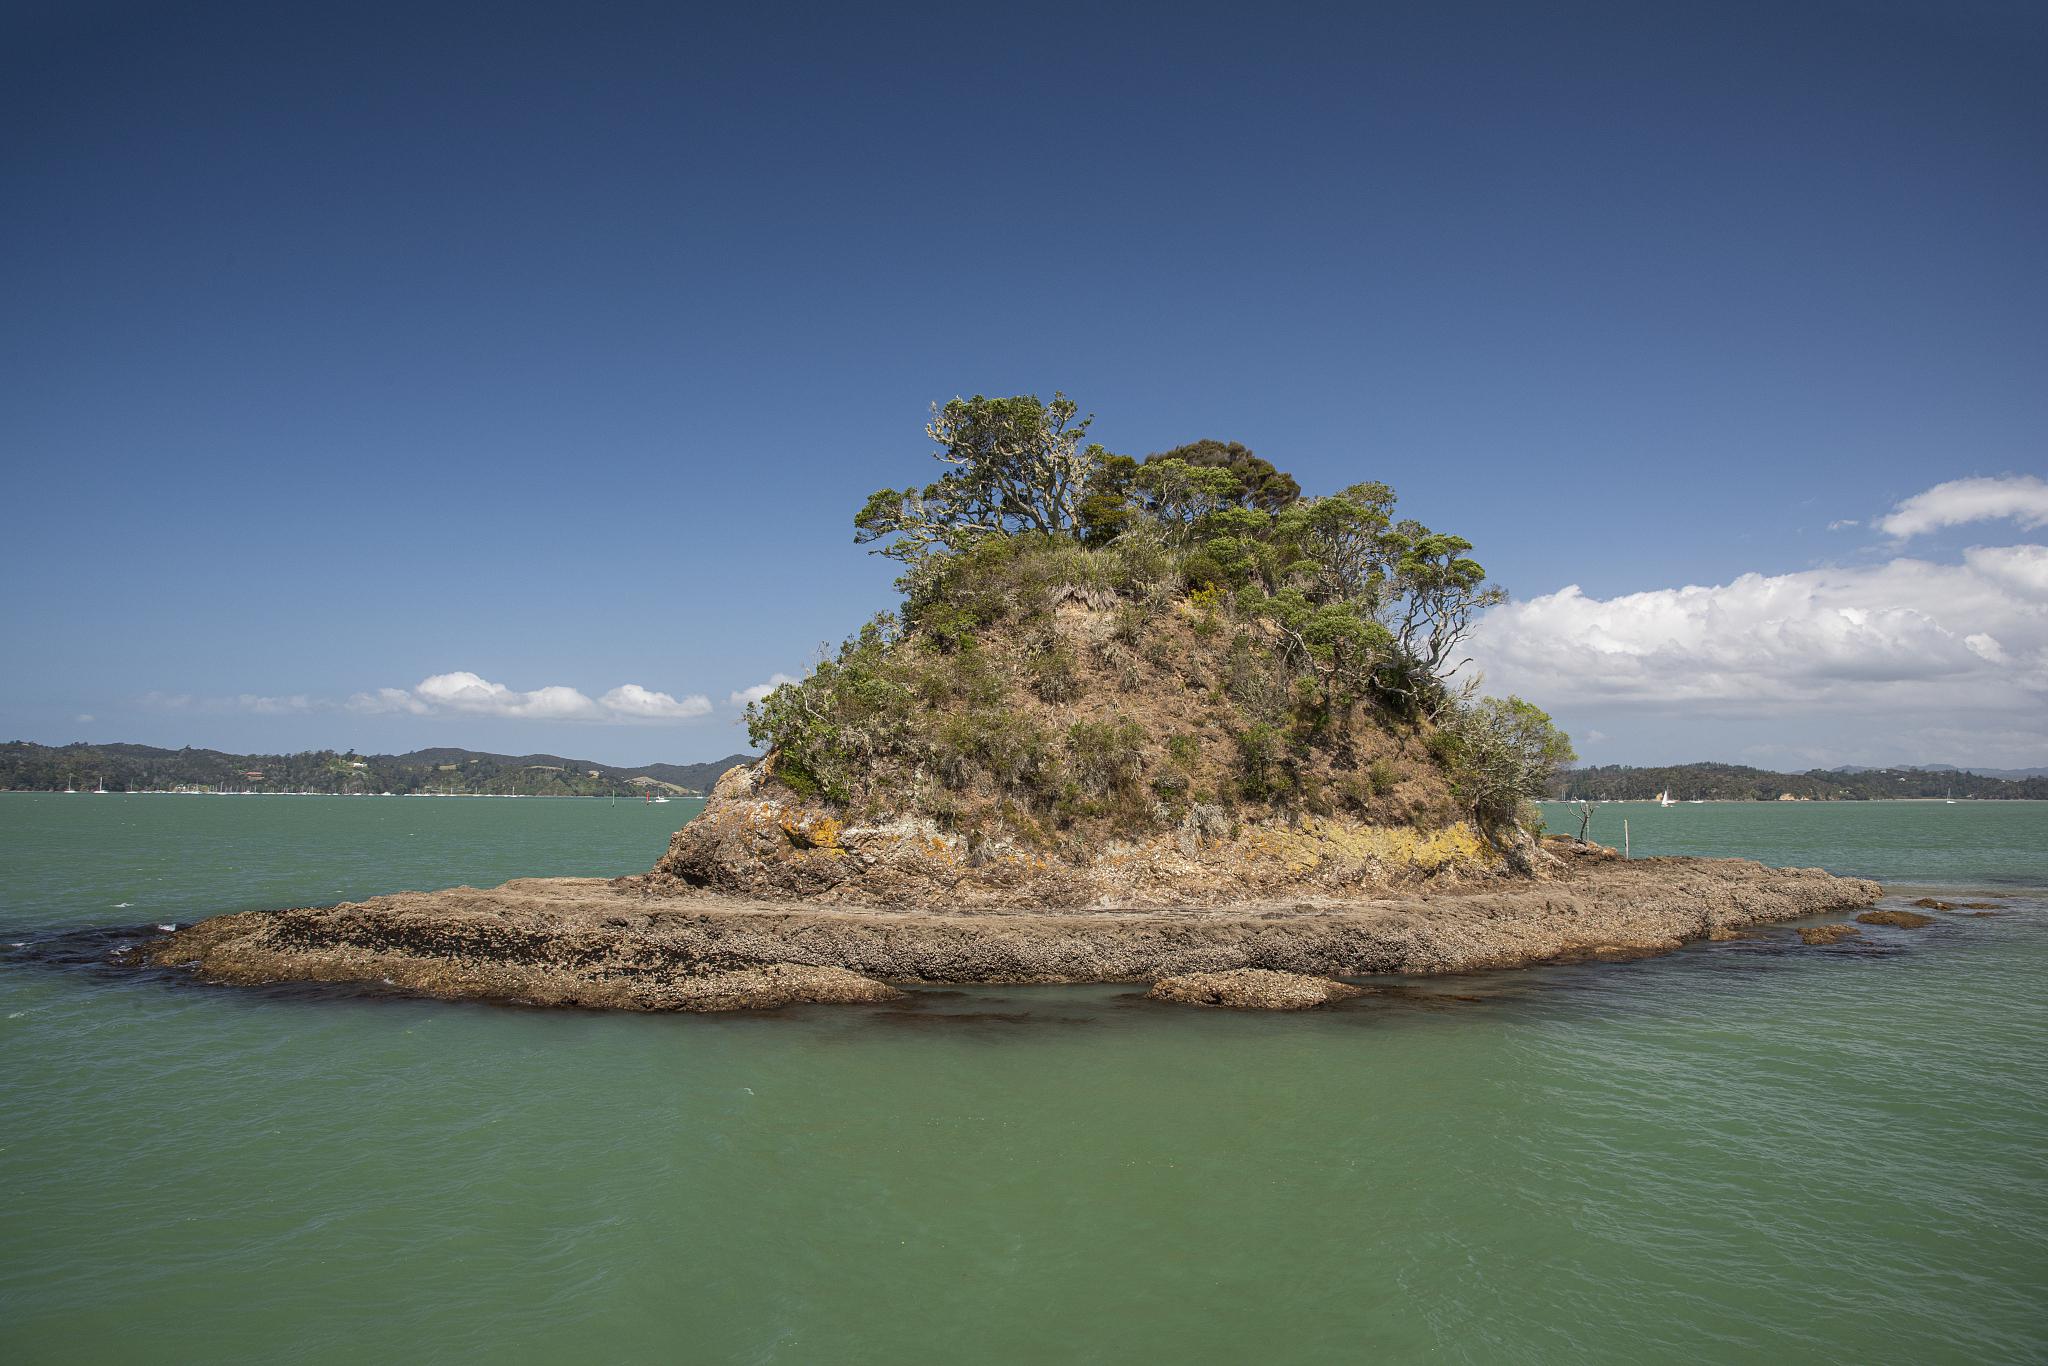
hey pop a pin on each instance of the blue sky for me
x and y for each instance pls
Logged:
(353, 347)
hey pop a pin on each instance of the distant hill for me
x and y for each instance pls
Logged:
(1948, 768)
(126, 767)
(1733, 782)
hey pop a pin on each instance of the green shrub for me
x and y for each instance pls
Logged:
(1127, 626)
(1171, 786)
(1105, 756)
(1252, 679)
(1140, 563)
(1501, 754)
(851, 710)
(1199, 570)
(1265, 770)
(1007, 749)
(1052, 674)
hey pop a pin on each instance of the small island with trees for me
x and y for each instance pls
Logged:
(1166, 720)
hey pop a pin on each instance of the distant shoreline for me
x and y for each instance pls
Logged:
(1774, 801)
(524, 796)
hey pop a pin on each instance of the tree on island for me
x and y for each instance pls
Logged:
(1326, 626)
(1015, 465)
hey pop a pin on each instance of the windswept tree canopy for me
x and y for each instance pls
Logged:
(1370, 605)
(1179, 486)
(1015, 465)
(1259, 484)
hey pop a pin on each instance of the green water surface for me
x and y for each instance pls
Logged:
(1745, 1152)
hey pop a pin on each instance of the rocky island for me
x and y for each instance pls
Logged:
(1162, 721)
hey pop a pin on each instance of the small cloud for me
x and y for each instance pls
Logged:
(2021, 569)
(475, 695)
(469, 694)
(1844, 524)
(387, 700)
(1593, 737)
(83, 717)
(748, 696)
(275, 706)
(2021, 497)
(1986, 648)
(630, 699)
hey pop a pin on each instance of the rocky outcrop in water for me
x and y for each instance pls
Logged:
(1902, 920)
(590, 942)
(1253, 989)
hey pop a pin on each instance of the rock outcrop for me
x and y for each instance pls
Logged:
(1252, 989)
(590, 942)
(755, 838)
(1902, 920)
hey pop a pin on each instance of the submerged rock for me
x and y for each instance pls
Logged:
(1933, 905)
(1904, 920)
(1828, 934)
(776, 984)
(1252, 989)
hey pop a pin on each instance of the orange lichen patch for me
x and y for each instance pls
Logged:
(816, 834)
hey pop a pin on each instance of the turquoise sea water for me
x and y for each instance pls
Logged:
(1745, 1152)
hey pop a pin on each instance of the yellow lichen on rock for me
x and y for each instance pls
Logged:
(1316, 842)
(814, 834)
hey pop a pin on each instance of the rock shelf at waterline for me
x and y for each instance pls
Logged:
(597, 943)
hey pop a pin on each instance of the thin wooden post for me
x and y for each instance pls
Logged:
(1624, 837)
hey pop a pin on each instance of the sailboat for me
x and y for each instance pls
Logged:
(1664, 798)
(1951, 798)
(101, 790)
(68, 787)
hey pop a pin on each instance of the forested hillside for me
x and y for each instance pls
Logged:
(123, 767)
(1732, 782)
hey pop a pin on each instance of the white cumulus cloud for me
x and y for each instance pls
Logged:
(466, 692)
(2021, 497)
(630, 699)
(1907, 637)
(746, 696)
(471, 694)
